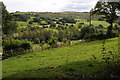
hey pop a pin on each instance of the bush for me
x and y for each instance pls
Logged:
(14, 47)
(37, 41)
(53, 41)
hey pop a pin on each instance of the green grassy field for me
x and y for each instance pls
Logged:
(58, 62)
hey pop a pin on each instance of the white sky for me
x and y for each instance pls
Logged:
(49, 5)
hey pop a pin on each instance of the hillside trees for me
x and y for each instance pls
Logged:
(109, 10)
(20, 17)
(67, 20)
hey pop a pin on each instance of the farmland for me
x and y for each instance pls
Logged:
(56, 46)
(80, 45)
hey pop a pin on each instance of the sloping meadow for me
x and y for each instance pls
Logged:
(76, 61)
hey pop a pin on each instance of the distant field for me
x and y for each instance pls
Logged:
(81, 17)
(58, 62)
(95, 23)
(22, 24)
(76, 15)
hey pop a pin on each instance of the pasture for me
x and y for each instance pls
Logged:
(59, 62)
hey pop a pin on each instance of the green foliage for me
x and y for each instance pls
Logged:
(110, 62)
(37, 41)
(32, 33)
(118, 21)
(8, 25)
(30, 22)
(67, 20)
(41, 44)
(52, 25)
(53, 41)
(20, 17)
(26, 45)
(61, 27)
(86, 31)
(108, 9)
(14, 47)
(36, 20)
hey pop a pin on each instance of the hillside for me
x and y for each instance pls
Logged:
(76, 15)
(69, 61)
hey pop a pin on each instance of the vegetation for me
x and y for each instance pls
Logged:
(8, 25)
(66, 62)
(109, 10)
(14, 47)
(62, 44)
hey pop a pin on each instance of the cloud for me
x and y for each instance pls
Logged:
(79, 6)
(49, 5)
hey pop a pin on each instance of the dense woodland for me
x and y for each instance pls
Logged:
(23, 30)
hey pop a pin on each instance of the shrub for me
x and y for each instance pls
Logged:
(53, 41)
(14, 47)
(37, 41)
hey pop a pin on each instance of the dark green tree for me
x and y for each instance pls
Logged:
(30, 22)
(52, 25)
(109, 10)
(8, 25)
(67, 20)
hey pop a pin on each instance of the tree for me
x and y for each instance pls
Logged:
(20, 17)
(109, 10)
(36, 20)
(52, 25)
(86, 32)
(8, 24)
(67, 20)
(30, 22)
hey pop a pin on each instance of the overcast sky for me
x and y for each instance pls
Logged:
(49, 5)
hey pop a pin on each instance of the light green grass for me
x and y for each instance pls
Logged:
(57, 62)
(95, 23)
(21, 23)
(104, 23)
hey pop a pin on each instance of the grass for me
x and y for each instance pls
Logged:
(58, 62)
(104, 23)
(21, 23)
(95, 23)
